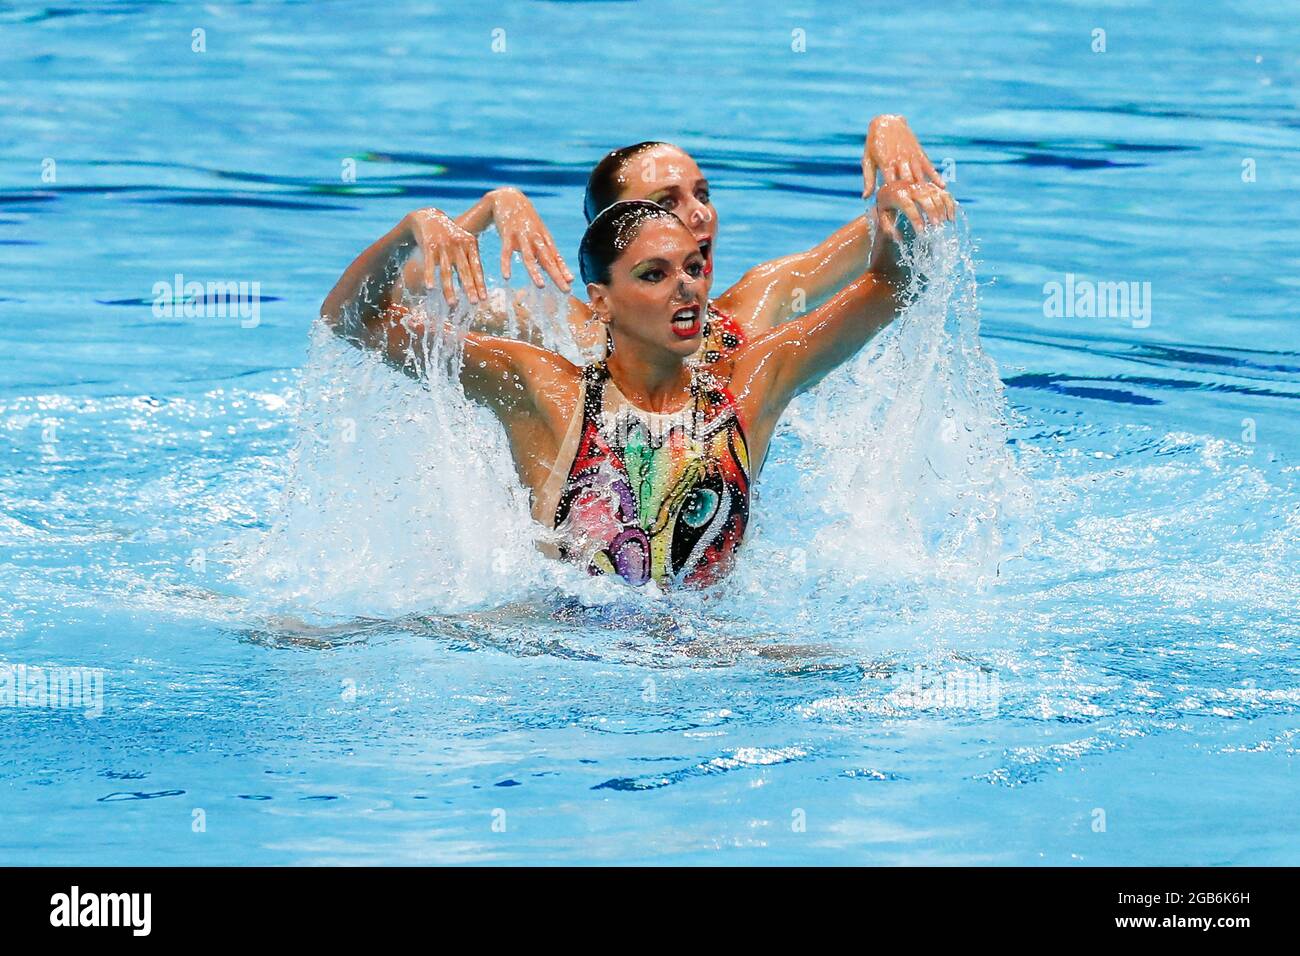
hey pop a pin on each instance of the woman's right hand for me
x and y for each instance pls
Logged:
(921, 203)
(523, 231)
(447, 249)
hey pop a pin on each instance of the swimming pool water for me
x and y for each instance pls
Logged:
(1124, 692)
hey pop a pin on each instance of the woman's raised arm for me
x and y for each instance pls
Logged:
(368, 296)
(793, 357)
(775, 290)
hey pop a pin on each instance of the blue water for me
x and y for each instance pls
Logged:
(1143, 643)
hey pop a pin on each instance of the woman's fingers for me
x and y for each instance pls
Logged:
(929, 172)
(522, 243)
(538, 253)
(944, 208)
(476, 263)
(450, 255)
(929, 204)
(460, 262)
(464, 272)
(430, 266)
(444, 271)
(907, 207)
(922, 203)
(507, 253)
(546, 255)
(529, 255)
(472, 277)
(559, 259)
(868, 175)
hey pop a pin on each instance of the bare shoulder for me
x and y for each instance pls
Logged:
(535, 365)
(579, 311)
(513, 376)
(551, 381)
(588, 334)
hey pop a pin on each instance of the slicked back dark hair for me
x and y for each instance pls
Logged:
(612, 231)
(603, 186)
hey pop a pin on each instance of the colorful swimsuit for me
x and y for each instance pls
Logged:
(652, 496)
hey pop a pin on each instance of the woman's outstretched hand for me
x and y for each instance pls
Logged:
(921, 203)
(523, 231)
(893, 151)
(448, 251)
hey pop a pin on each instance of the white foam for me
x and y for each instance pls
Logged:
(897, 466)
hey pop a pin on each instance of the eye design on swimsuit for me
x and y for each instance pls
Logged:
(701, 505)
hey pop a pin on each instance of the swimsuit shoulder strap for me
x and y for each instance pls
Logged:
(587, 409)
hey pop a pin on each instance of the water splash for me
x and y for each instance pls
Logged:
(898, 464)
(402, 496)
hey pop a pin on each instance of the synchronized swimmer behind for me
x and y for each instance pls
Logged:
(641, 463)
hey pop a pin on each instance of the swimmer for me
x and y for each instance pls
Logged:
(662, 173)
(642, 464)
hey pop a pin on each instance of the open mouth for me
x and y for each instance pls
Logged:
(706, 250)
(686, 322)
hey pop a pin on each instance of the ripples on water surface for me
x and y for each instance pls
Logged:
(1139, 642)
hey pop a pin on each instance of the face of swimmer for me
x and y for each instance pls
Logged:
(658, 289)
(667, 176)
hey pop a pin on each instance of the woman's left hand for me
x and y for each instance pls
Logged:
(523, 231)
(893, 150)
